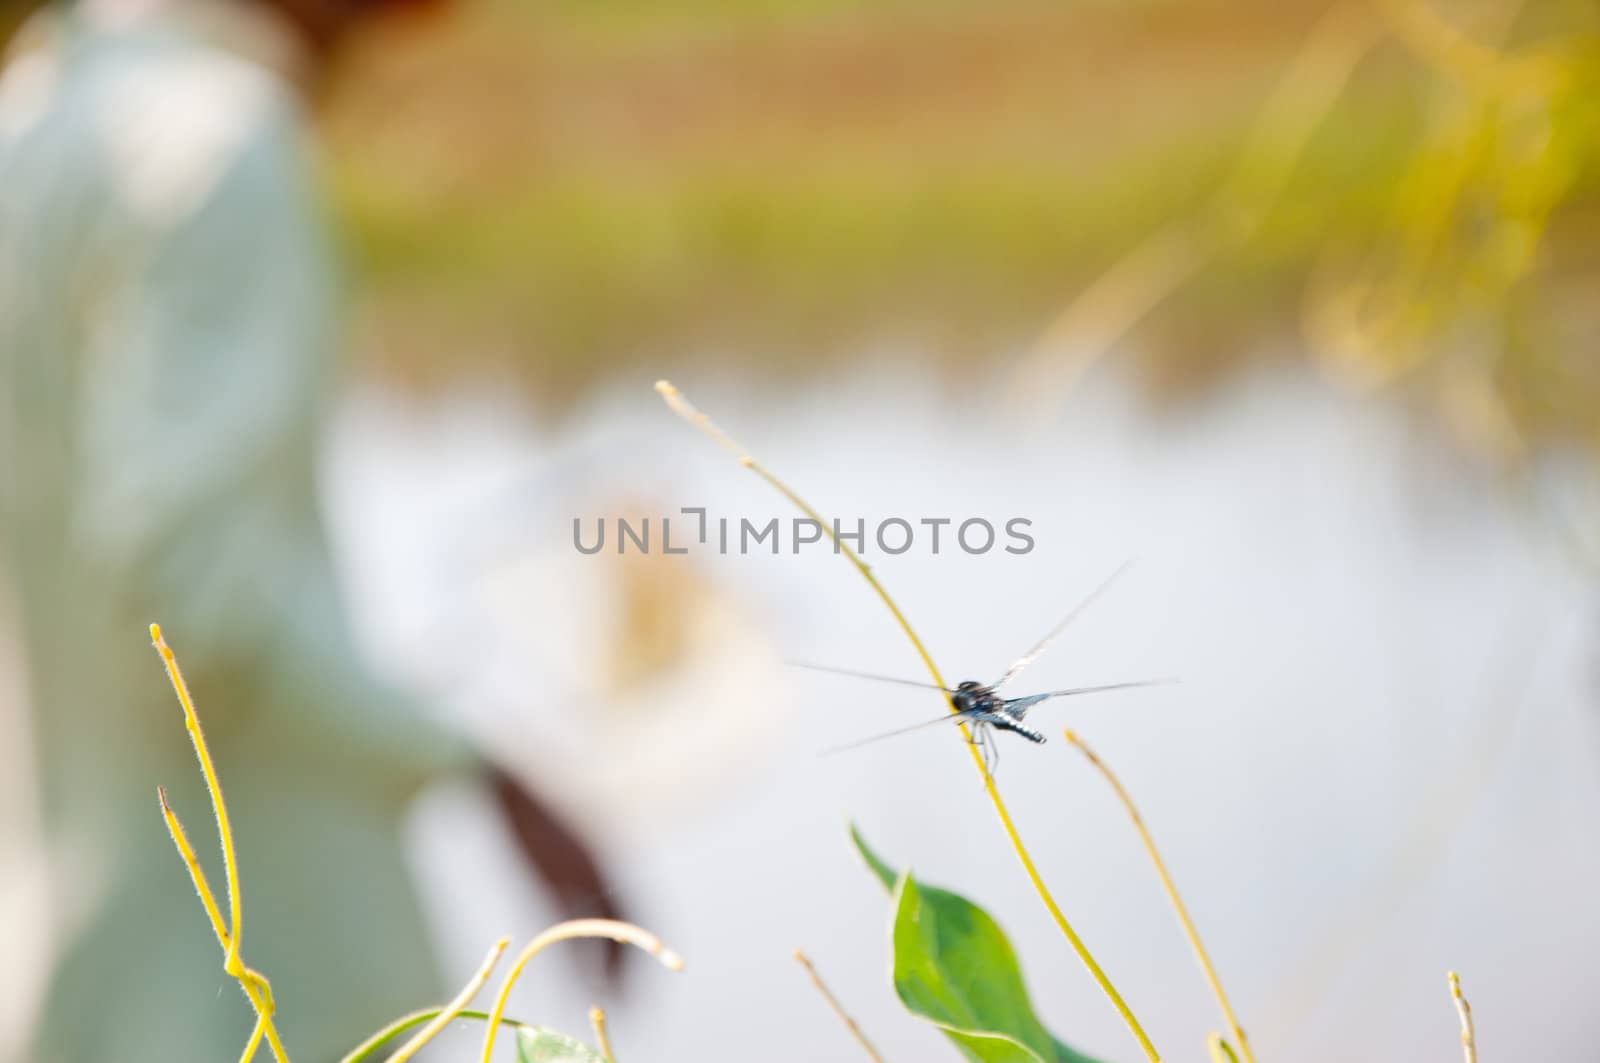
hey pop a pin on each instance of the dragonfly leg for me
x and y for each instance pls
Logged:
(985, 742)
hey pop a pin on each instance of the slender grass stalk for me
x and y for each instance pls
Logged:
(1469, 1039)
(254, 1043)
(687, 411)
(597, 1019)
(224, 828)
(836, 1007)
(1171, 889)
(1220, 1050)
(256, 988)
(455, 1007)
(614, 929)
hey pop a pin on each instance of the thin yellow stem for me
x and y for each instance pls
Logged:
(255, 1040)
(207, 899)
(680, 405)
(838, 1008)
(1171, 889)
(256, 988)
(367, 1048)
(455, 1007)
(1469, 1040)
(224, 828)
(597, 1019)
(614, 929)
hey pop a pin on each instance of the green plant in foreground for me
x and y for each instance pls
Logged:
(954, 967)
(533, 1043)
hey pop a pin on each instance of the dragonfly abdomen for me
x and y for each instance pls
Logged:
(1003, 722)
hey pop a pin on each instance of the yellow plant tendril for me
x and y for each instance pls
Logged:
(255, 1040)
(197, 736)
(256, 988)
(455, 1007)
(1171, 889)
(1469, 1040)
(836, 1007)
(597, 1019)
(681, 406)
(614, 929)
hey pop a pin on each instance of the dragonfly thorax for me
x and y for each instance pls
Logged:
(973, 696)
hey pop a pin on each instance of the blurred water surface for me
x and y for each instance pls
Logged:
(1380, 762)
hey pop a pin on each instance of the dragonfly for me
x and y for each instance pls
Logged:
(982, 705)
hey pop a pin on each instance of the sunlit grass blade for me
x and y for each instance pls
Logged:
(256, 988)
(1171, 890)
(614, 929)
(455, 1007)
(1469, 1038)
(602, 1039)
(836, 1007)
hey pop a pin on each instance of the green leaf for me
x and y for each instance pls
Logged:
(535, 1044)
(886, 874)
(954, 967)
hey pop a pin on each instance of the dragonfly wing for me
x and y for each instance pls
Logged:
(949, 717)
(869, 675)
(1044, 643)
(1018, 707)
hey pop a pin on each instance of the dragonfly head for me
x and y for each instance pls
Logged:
(966, 696)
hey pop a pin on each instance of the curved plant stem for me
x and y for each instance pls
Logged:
(614, 929)
(208, 769)
(687, 411)
(1469, 1041)
(597, 1019)
(838, 1009)
(455, 1007)
(256, 988)
(255, 1040)
(1171, 889)
(364, 1051)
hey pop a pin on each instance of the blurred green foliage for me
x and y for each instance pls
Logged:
(570, 189)
(538, 1045)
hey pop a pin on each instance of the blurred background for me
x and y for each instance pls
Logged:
(1295, 301)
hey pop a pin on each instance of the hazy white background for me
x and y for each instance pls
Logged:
(1381, 762)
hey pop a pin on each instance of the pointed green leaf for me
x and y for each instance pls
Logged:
(885, 873)
(535, 1044)
(954, 967)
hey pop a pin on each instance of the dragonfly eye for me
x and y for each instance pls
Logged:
(961, 700)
